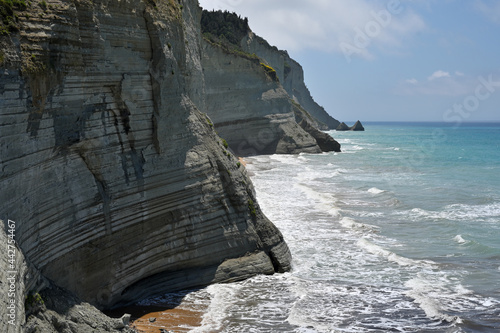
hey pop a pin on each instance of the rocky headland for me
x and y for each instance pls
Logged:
(255, 93)
(112, 169)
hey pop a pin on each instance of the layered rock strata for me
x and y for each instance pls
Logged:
(255, 94)
(249, 107)
(119, 185)
(291, 76)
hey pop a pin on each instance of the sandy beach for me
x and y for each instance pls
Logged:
(163, 317)
(171, 320)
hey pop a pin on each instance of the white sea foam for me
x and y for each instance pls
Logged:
(222, 297)
(438, 293)
(344, 141)
(460, 240)
(460, 212)
(368, 284)
(324, 201)
(375, 190)
(289, 159)
(302, 158)
(423, 292)
(349, 223)
(391, 256)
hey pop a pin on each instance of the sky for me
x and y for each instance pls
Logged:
(388, 60)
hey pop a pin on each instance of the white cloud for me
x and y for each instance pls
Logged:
(440, 83)
(326, 25)
(438, 75)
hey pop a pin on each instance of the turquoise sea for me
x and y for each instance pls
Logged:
(400, 232)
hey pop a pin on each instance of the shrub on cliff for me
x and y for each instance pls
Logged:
(8, 17)
(226, 30)
(270, 71)
(224, 25)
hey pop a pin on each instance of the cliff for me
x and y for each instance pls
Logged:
(249, 107)
(291, 76)
(253, 92)
(118, 183)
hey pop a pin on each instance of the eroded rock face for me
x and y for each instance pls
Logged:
(325, 141)
(253, 91)
(291, 76)
(249, 107)
(119, 184)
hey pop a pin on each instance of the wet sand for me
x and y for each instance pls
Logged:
(242, 161)
(171, 320)
(155, 318)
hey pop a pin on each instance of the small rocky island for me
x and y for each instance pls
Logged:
(356, 127)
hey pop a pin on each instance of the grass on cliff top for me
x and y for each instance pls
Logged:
(8, 15)
(229, 48)
(226, 30)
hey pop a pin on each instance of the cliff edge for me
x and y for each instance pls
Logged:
(117, 181)
(291, 76)
(253, 92)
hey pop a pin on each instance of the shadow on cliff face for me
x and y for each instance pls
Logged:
(262, 141)
(161, 303)
(173, 312)
(156, 285)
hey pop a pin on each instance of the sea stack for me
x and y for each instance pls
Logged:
(342, 127)
(356, 127)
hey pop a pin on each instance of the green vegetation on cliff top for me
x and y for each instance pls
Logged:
(8, 16)
(225, 26)
(226, 30)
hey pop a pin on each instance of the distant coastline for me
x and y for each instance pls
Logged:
(492, 123)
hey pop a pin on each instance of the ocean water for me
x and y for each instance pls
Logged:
(400, 232)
